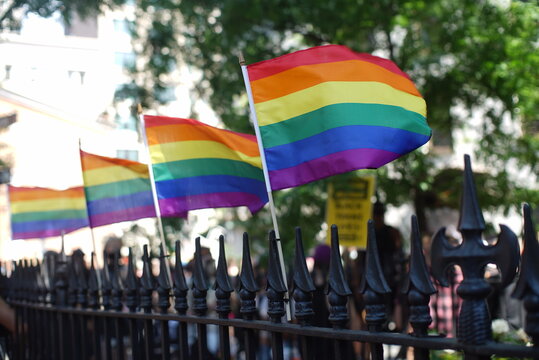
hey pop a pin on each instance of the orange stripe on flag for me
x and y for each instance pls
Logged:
(185, 132)
(305, 76)
(36, 193)
(91, 161)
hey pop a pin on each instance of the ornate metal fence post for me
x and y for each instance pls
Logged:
(374, 288)
(200, 307)
(72, 341)
(147, 283)
(275, 290)
(163, 290)
(82, 301)
(116, 304)
(94, 303)
(338, 292)
(131, 301)
(474, 325)
(419, 288)
(303, 295)
(106, 290)
(223, 288)
(60, 287)
(180, 302)
(527, 288)
(247, 291)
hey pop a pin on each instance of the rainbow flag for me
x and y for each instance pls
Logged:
(40, 213)
(328, 110)
(116, 189)
(197, 166)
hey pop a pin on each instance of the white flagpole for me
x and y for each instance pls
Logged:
(87, 211)
(266, 178)
(160, 228)
(89, 224)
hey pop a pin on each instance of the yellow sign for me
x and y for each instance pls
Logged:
(349, 207)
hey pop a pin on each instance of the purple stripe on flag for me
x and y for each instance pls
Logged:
(180, 205)
(333, 164)
(122, 215)
(42, 233)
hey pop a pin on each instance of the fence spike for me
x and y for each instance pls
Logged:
(527, 288)
(131, 284)
(418, 285)
(117, 285)
(247, 287)
(222, 285)
(40, 283)
(82, 281)
(338, 289)
(72, 283)
(471, 217)
(106, 285)
(373, 284)
(180, 285)
(60, 282)
(275, 286)
(163, 282)
(147, 282)
(50, 266)
(303, 284)
(474, 324)
(200, 286)
(93, 285)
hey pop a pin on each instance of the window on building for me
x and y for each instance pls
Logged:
(83, 28)
(76, 77)
(123, 26)
(124, 60)
(7, 72)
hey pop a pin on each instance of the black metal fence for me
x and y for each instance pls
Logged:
(66, 311)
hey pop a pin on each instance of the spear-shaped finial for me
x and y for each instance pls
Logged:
(180, 285)
(471, 217)
(418, 285)
(338, 289)
(303, 284)
(163, 282)
(222, 285)
(200, 286)
(275, 288)
(248, 286)
(131, 284)
(147, 281)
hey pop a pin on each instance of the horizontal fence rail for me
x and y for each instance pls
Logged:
(66, 311)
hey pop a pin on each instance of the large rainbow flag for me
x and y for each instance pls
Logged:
(116, 189)
(328, 110)
(197, 166)
(40, 213)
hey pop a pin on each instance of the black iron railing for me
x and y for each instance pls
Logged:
(66, 311)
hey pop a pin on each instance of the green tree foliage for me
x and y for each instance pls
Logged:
(469, 59)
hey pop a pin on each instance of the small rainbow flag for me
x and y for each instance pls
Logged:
(328, 110)
(40, 213)
(116, 189)
(197, 166)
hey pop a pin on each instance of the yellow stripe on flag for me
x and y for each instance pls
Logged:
(18, 207)
(335, 92)
(109, 175)
(184, 150)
